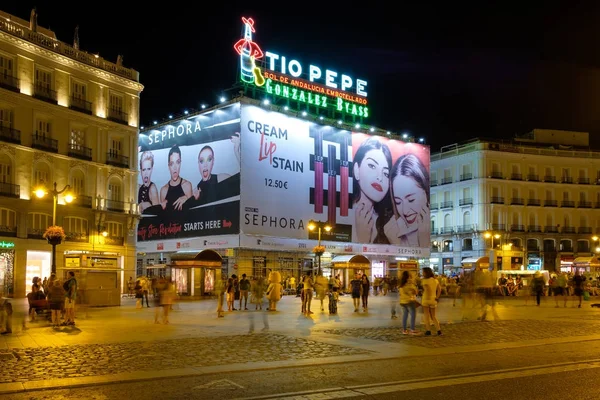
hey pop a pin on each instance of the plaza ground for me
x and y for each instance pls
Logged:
(277, 353)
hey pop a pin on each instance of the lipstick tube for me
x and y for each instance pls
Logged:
(344, 198)
(331, 185)
(318, 167)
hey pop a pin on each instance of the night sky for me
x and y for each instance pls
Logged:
(447, 73)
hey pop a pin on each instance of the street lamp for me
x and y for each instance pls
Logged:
(488, 235)
(312, 225)
(69, 197)
(595, 239)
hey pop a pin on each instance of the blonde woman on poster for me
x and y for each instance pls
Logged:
(409, 183)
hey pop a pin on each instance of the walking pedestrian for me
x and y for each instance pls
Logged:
(355, 287)
(408, 302)
(431, 295)
(364, 292)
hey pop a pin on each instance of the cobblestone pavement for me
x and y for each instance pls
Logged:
(476, 333)
(20, 365)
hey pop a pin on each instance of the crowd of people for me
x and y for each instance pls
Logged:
(54, 299)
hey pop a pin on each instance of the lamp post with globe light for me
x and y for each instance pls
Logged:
(54, 234)
(312, 225)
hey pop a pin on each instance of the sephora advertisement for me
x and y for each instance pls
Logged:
(371, 189)
(189, 181)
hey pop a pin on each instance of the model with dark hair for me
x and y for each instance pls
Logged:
(178, 190)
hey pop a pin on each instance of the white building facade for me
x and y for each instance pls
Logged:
(71, 118)
(530, 203)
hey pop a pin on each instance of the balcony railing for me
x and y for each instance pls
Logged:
(516, 177)
(498, 227)
(567, 179)
(81, 105)
(44, 93)
(568, 229)
(115, 205)
(583, 248)
(446, 230)
(534, 228)
(465, 202)
(464, 228)
(433, 182)
(533, 178)
(434, 206)
(33, 233)
(550, 203)
(585, 204)
(517, 201)
(81, 152)
(533, 248)
(517, 228)
(466, 177)
(550, 229)
(117, 160)
(533, 202)
(446, 204)
(44, 143)
(77, 237)
(566, 249)
(83, 201)
(114, 240)
(467, 247)
(584, 229)
(496, 175)
(10, 190)
(9, 82)
(8, 134)
(117, 116)
(567, 203)
(549, 178)
(446, 180)
(9, 231)
(497, 200)
(583, 181)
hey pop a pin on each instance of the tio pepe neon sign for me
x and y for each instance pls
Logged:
(281, 78)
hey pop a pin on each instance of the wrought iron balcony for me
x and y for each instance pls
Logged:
(567, 179)
(446, 204)
(115, 205)
(464, 228)
(81, 152)
(119, 116)
(583, 247)
(8, 231)
(497, 200)
(433, 182)
(114, 240)
(550, 203)
(583, 181)
(568, 229)
(466, 177)
(584, 229)
(534, 228)
(33, 233)
(10, 190)
(517, 228)
(496, 175)
(465, 202)
(446, 230)
(517, 201)
(498, 227)
(550, 229)
(446, 180)
(533, 178)
(585, 204)
(81, 105)
(44, 93)
(516, 177)
(533, 202)
(549, 178)
(117, 160)
(434, 206)
(44, 143)
(77, 237)
(83, 201)
(8, 134)
(567, 203)
(9, 82)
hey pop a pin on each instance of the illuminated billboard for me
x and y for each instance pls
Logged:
(284, 77)
(189, 177)
(372, 189)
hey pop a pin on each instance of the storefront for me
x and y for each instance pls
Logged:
(474, 263)
(194, 272)
(347, 266)
(98, 277)
(39, 264)
(7, 268)
(587, 265)
(534, 262)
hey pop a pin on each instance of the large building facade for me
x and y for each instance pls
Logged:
(530, 203)
(71, 118)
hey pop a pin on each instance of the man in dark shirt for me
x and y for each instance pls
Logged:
(244, 288)
(578, 280)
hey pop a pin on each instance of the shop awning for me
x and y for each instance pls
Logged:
(190, 259)
(471, 262)
(586, 262)
(351, 261)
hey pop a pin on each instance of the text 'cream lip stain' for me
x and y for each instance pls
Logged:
(331, 185)
(318, 167)
(344, 178)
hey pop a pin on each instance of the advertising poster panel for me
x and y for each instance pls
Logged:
(189, 181)
(372, 189)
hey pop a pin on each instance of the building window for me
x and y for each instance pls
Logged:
(6, 66)
(6, 118)
(79, 90)
(43, 79)
(41, 175)
(78, 182)
(8, 218)
(115, 146)
(5, 170)
(39, 221)
(115, 102)
(77, 138)
(467, 219)
(43, 128)
(114, 190)
(259, 267)
(114, 229)
(75, 225)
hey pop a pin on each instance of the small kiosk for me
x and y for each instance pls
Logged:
(475, 263)
(586, 265)
(194, 273)
(343, 264)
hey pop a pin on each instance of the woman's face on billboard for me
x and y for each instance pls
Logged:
(373, 175)
(146, 172)
(206, 160)
(174, 166)
(409, 198)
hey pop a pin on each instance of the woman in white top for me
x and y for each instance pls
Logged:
(431, 294)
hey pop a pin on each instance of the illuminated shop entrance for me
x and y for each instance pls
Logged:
(195, 272)
(38, 265)
(7, 272)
